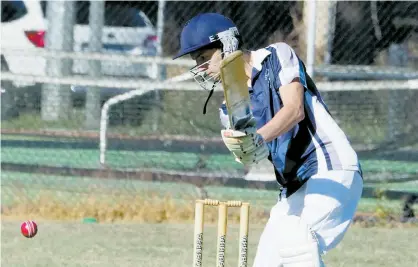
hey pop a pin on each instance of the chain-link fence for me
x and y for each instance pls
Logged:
(62, 61)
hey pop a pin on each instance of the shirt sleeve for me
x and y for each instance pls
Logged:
(291, 66)
(223, 116)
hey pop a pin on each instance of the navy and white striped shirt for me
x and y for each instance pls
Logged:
(314, 145)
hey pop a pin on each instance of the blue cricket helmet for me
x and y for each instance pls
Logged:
(203, 30)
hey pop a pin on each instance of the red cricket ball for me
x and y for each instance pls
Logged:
(29, 229)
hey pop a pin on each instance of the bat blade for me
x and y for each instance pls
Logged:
(237, 98)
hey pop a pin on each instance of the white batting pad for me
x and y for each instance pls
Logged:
(287, 242)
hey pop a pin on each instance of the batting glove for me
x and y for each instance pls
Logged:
(247, 145)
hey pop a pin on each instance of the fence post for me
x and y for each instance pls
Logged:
(159, 68)
(96, 22)
(56, 101)
(332, 12)
(310, 49)
(397, 56)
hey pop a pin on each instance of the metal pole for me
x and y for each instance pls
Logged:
(332, 11)
(56, 101)
(96, 22)
(397, 56)
(160, 73)
(160, 26)
(311, 37)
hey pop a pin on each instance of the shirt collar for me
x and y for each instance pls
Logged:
(258, 56)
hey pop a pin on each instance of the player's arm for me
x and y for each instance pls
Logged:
(289, 115)
(292, 78)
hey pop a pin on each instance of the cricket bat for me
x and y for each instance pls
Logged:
(237, 97)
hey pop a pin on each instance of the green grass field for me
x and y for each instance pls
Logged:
(89, 158)
(162, 245)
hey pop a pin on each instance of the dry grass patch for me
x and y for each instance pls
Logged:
(113, 207)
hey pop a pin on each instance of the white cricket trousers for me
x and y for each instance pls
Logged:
(326, 203)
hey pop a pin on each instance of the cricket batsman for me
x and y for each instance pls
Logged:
(318, 170)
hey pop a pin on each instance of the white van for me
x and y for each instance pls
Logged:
(24, 25)
(126, 30)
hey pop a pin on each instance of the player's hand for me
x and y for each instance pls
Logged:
(253, 157)
(247, 145)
